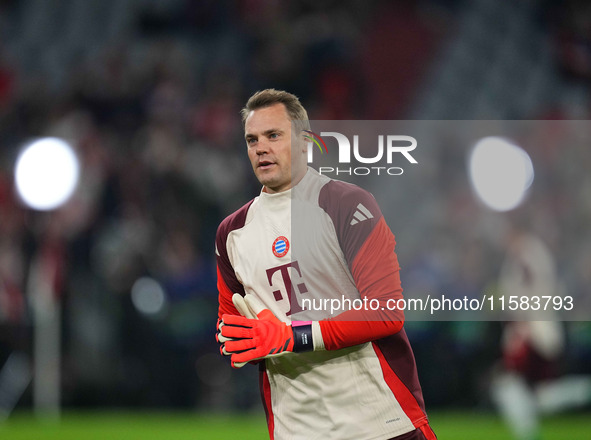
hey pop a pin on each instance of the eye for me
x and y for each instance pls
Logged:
(251, 141)
(273, 135)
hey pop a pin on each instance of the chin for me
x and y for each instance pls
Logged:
(269, 183)
(267, 178)
(273, 185)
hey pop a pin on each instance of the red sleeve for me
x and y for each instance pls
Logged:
(368, 247)
(227, 283)
(376, 273)
(226, 306)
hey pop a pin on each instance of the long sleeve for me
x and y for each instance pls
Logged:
(368, 246)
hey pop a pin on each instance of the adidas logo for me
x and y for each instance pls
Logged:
(361, 214)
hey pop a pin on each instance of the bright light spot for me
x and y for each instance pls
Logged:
(46, 173)
(148, 297)
(500, 173)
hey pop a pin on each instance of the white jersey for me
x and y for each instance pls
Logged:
(317, 241)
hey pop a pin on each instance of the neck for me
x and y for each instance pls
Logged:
(294, 181)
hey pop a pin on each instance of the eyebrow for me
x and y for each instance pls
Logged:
(265, 133)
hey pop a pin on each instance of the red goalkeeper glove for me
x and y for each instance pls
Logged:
(247, 339)
(245, 311)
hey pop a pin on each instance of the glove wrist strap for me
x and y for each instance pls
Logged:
(302, 336)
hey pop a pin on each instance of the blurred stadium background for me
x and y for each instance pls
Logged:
(148, 92)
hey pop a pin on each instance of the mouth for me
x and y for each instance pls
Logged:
(265, 164)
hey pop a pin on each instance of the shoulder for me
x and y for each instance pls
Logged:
(234, 221)
(354, 212)
(338, 198)
(338, 188)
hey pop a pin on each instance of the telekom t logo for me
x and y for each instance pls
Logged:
(393, 144)
(288, 281)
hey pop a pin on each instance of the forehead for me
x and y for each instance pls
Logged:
(273, 116)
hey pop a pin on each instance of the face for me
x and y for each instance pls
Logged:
(268, 137)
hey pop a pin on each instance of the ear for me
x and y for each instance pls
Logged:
(303, 141)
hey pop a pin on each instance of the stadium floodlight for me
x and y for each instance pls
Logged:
(46, 173)
(500, 173)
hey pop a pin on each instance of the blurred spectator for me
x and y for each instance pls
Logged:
(530, 382)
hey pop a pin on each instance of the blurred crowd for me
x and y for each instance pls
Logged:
(152, 108)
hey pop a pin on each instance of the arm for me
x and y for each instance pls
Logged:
(224, 297)
(376, 273)
(227, 282)
(368, 246)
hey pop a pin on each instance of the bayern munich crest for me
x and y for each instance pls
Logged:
(280, 246)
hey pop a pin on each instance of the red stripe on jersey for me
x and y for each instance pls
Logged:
(265, 388)
(225, 298)
(428, 432)
(403, 395)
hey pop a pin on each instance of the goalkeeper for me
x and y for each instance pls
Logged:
(349, 376)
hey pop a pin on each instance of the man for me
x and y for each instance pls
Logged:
(528, 383)
(349, 376)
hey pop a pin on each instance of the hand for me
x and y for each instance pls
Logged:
(253, 334)
(259, 334)
(251, 339)
(221, 339)
(245, 311)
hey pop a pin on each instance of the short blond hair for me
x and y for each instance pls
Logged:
(268, 97)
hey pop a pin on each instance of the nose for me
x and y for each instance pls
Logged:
(262, 147)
